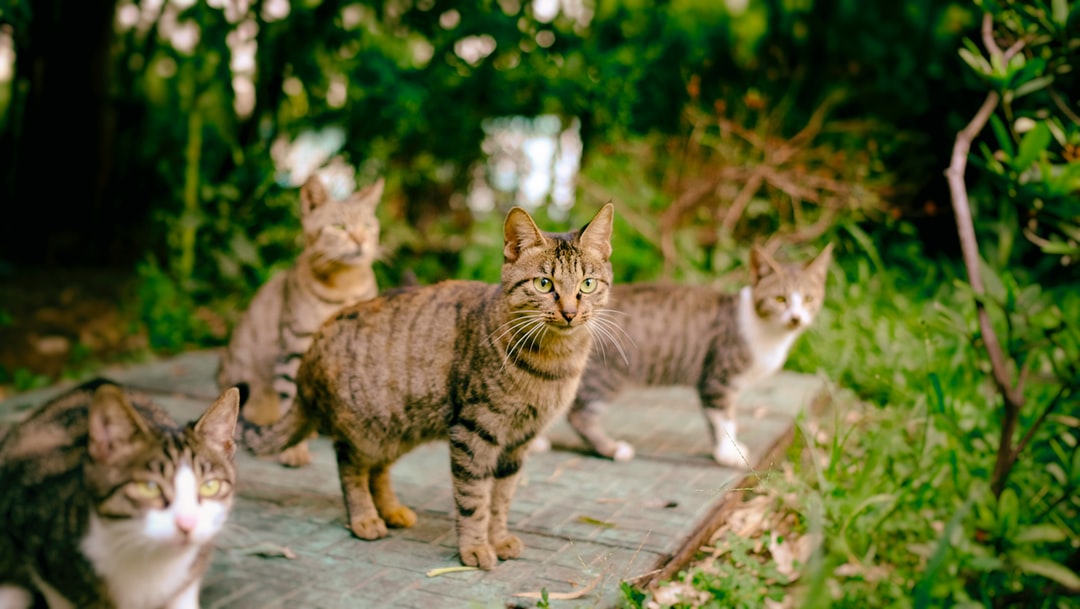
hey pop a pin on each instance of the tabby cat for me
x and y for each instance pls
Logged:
(695, 335)
(483, 366)
(107, 503)
(333, 270)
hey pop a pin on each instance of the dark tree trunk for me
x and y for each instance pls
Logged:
(62, 155)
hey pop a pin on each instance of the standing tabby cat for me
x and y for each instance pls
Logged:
(333, 270)
(485, 366)
(718, 343)
(107, 503)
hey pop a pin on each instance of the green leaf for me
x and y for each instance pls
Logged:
(1040, 533)
(1050, 569)
(1032, 85)
(1059, 10)
(1032, 144)
(1004, 138)
(977, 62)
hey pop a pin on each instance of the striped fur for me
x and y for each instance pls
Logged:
(484, 366)
(333, 270)
(697, 336)
(107, 503)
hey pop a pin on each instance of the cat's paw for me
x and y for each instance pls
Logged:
(623, 451)
(539, 444)
(369, 528)
(399, 517)
(482, 556)
(295, 456)
(733, 454)
(509, 547)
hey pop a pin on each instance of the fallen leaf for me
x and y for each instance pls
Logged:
(593, 521)
(563, 596)
(268, 550)
(445, 570)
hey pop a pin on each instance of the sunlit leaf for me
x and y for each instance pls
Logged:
(1032, 144)
(1050, 569)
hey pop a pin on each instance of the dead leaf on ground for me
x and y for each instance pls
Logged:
(563, 596)
(268, 550)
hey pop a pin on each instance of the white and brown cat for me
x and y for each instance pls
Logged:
(109, 504)
(334, 270)
(698, 336)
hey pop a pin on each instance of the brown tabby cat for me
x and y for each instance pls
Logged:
(694, 335)
(107, 503)
(484, 366)
(333, 270)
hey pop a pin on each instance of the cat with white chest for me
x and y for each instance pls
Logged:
(108, 503)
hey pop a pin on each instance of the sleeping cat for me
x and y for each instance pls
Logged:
(484, 366)
(107, 503)
(333, 270)
(718, 343)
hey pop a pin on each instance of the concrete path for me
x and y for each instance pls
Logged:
(588, 524)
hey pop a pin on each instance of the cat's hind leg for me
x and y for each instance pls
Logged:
(364, 520)
(585, 417)
(393, 512)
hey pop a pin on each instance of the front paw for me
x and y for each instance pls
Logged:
(295, 456)
(623, 451)
(732, 453)
(369, 528)
(399, 517)
(509, 547)
(482, 556)
(539, 444)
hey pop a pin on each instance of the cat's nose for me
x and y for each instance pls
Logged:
(569, 315)
(186, 522)
(796, 321)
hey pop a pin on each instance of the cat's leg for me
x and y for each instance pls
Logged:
(392, 511)
(364, 520)
(15, 597)
(285, 369)
(585, 417)
(472, 462)
(188, 598)
(718, 403)
(502, 493)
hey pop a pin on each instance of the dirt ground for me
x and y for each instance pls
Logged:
(54, 322)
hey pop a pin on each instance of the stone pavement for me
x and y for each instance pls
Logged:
(588, 524)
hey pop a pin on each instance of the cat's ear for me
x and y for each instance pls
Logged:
(312, 194)
(520, 234)
(596, 235)
(114, 425)
(820, 264)
(761, 265)
(218, 424)
(371, 195)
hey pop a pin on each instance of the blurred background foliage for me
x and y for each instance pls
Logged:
(168, 138)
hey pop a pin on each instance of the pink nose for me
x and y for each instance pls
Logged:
(569, 315)
(186, 522)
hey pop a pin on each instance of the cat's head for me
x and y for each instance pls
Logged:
(341, 232)
(788, 295)
(559, 279)
(160, 487)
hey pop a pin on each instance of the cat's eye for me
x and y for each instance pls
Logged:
(147, 489)
(781, 299)
(588, 285)
(543, 285)
(341, 227)
(210, 488)
(808, 299)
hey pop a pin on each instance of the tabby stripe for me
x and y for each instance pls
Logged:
(462, 472)
(506, 469)
(286, 377)
(291, 356)
(284, 395)
(518, 284)
(475, 428)
(525, 366)
(465, 512)
(463, 447)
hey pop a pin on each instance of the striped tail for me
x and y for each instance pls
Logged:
(263, 440)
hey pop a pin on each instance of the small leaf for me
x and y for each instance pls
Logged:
(595, 522)
(445, 570)
(1033, 85)
(977, 62)
(1032, 145)
(1047, 568)
(1059, 10)
(1040, 533)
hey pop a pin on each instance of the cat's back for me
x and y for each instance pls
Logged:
(665, 308)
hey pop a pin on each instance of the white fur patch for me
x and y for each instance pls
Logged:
(769, 343)
(15, 597)
(147, 561)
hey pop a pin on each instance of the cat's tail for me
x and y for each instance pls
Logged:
(263, 440)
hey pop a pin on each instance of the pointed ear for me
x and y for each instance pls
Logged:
(761, 265)
(820, 263)
(114, 424)
(218, 424)
(312, 194)
(520, 233)
(596, 235)
(372, 194)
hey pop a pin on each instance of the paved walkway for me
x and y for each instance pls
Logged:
(588, 524)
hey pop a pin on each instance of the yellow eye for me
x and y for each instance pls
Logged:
(147, 489)
(781, 299)
(210, 488)
(588, 285)
(543, 285)
(809, 299)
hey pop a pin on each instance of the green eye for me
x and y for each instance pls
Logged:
(588, 285)
(147, 489)
(543, 285)
(341, 227)
(781, 299)
(210, 488)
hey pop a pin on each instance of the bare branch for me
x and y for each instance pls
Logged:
(988, 34)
